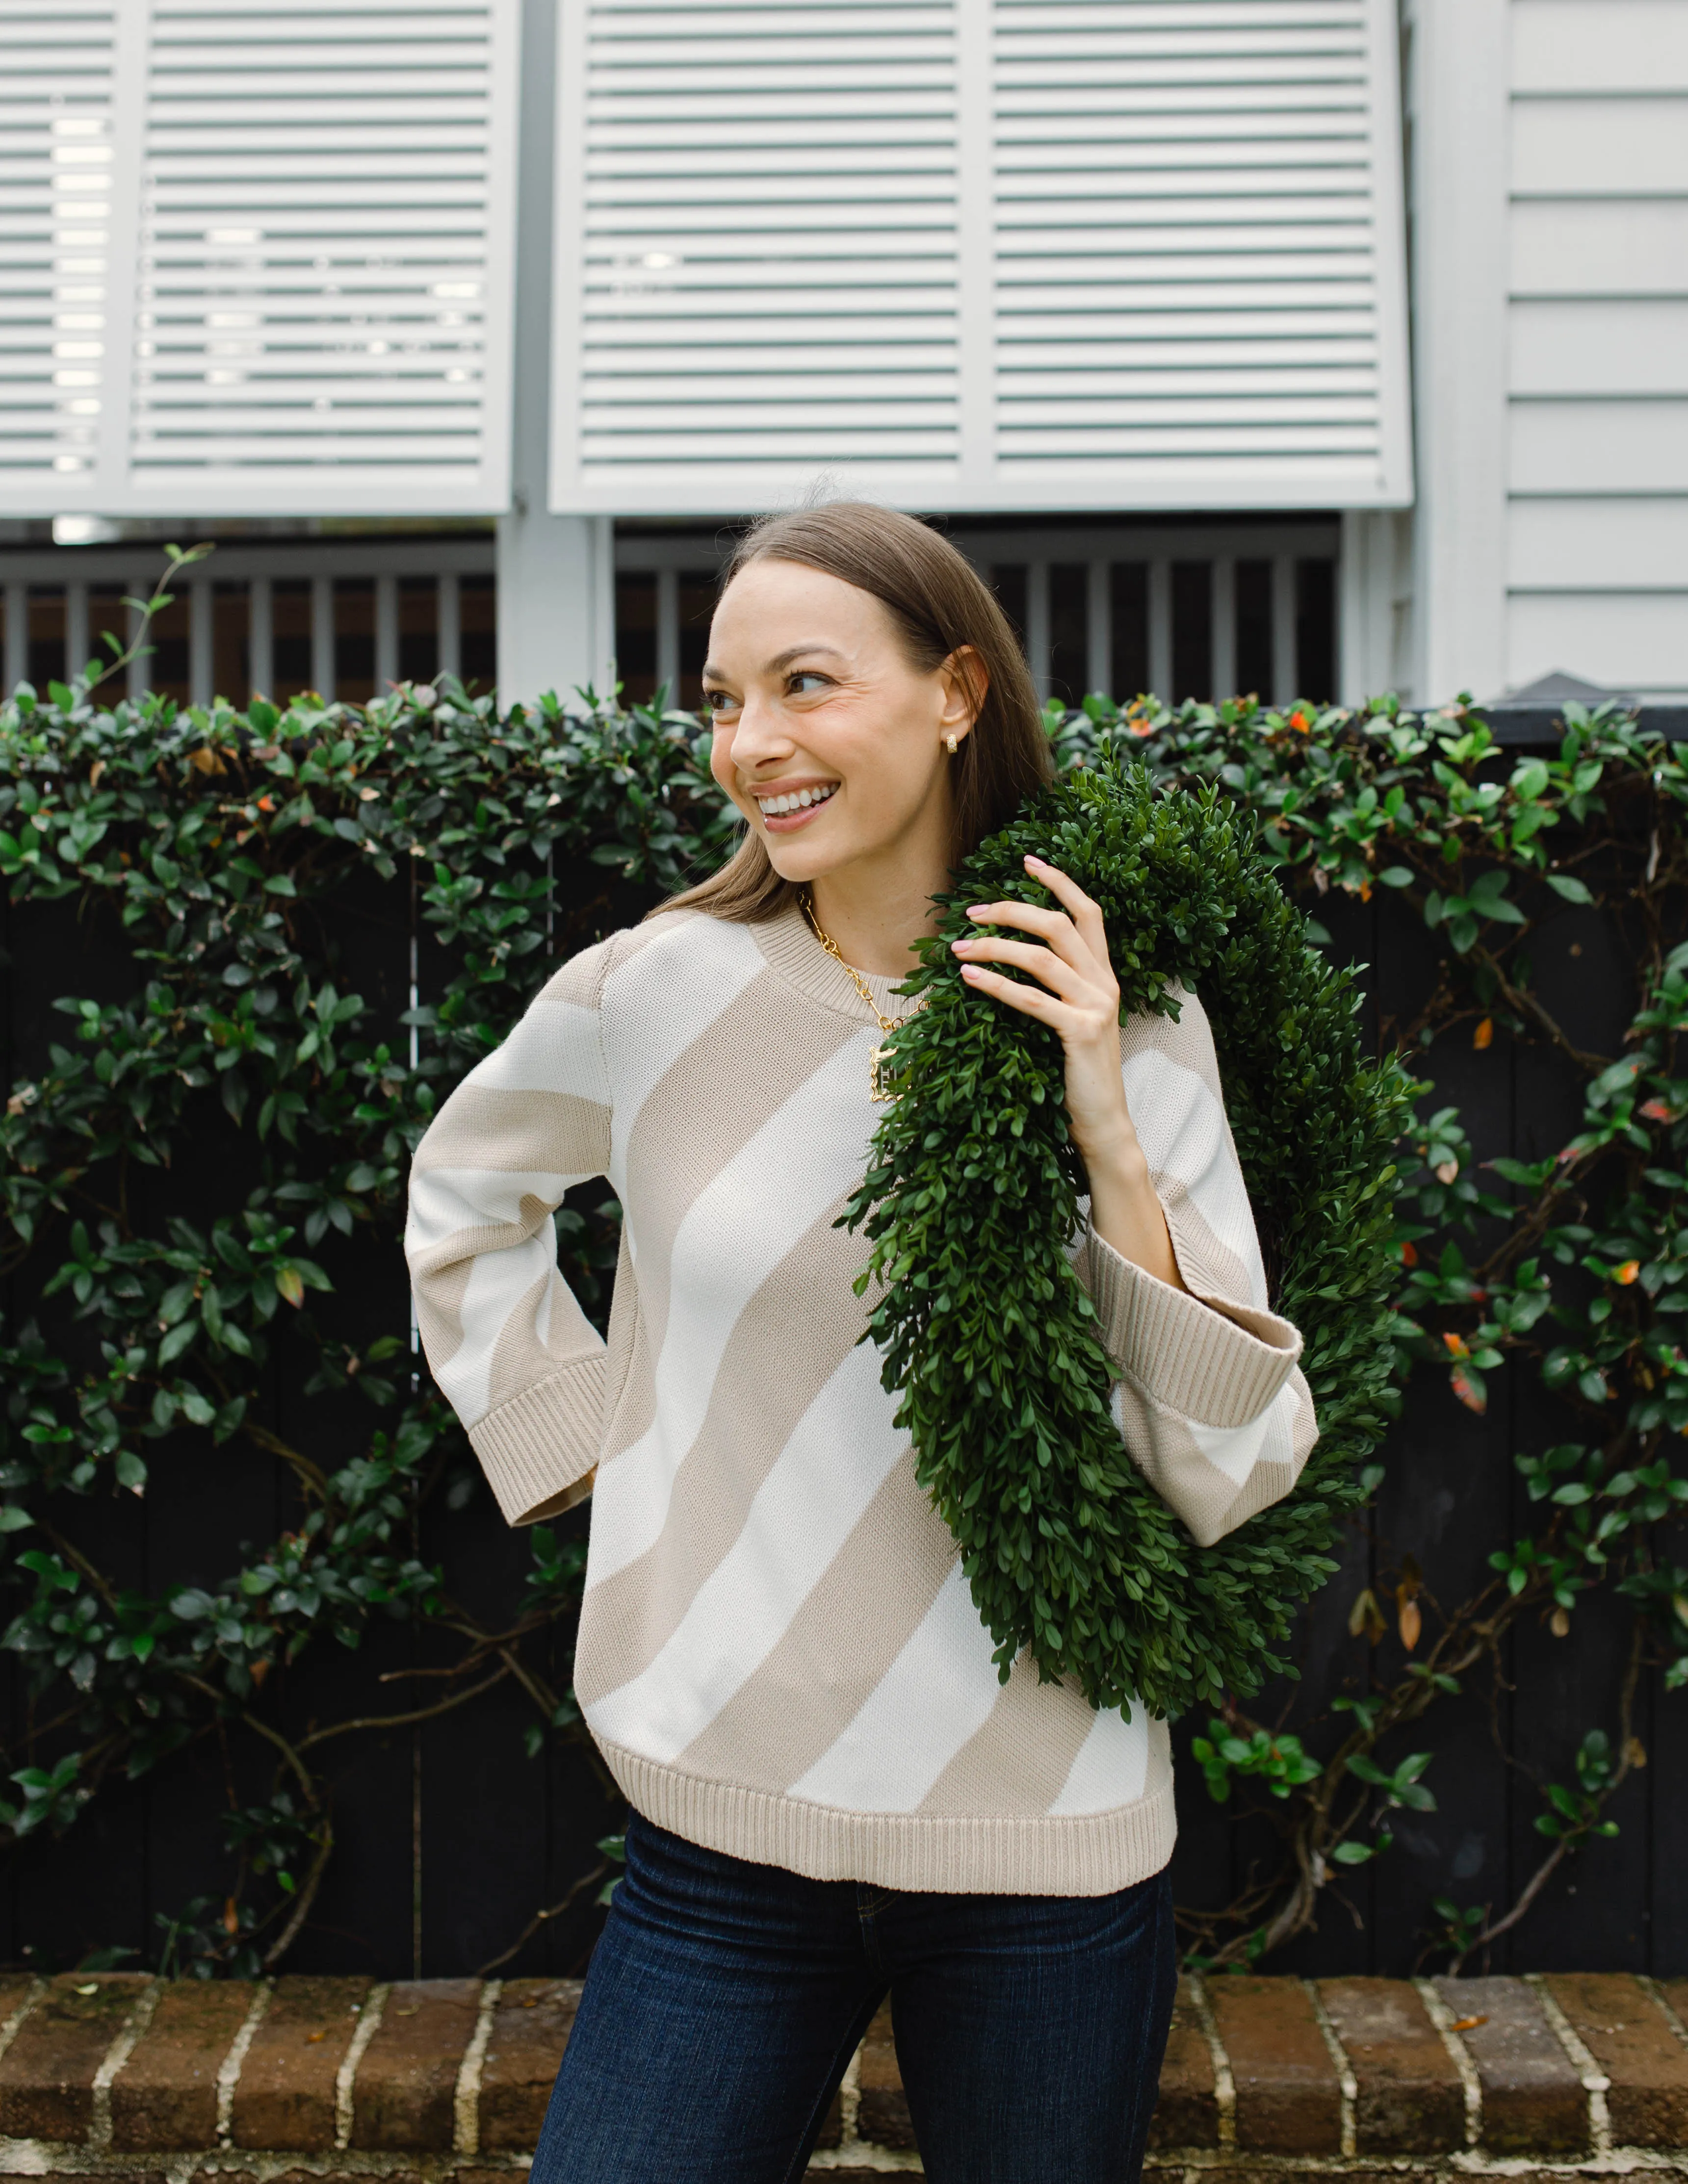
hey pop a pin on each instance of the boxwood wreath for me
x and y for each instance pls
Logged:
(214, 916)
(986, 1330)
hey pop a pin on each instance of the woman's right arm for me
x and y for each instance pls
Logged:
(510, 1348)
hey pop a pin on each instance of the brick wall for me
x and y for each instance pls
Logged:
(444, 2081)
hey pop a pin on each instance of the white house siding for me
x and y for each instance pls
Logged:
(1596, 547)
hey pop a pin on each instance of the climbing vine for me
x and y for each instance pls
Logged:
(202, 1160)
(1580, 1277)
(214, 855)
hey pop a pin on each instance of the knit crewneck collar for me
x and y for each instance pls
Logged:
(790, 946)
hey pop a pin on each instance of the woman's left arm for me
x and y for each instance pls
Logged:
(1211, 1398)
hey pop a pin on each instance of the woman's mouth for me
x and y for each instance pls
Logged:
(784, 814)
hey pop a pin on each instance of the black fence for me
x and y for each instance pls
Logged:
(1451, 1497)
(450, 1839)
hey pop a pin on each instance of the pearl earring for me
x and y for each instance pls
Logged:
(949, 745)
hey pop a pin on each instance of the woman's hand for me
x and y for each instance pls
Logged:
(1078, 998)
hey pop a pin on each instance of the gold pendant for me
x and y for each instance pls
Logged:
(878, 1089)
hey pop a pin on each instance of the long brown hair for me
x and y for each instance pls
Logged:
(938, 602)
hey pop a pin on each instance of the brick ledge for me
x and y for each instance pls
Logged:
(445, 2081)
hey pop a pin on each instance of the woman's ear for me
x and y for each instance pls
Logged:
(966, 680)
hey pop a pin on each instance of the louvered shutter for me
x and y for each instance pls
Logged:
(758, 248)
(1198, 288)
(57, 62)
(985, 254)
(297, 297)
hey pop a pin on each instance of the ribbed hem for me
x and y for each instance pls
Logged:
(542, 1442)
(1090, 1856)
(1189, 1356)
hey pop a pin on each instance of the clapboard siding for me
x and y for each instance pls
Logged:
(1623, 641)
(1597, 438)
(1608, 46)
(1572, 144)
(1637, 446)
(1562, 247)
(1614, 346)
(1623, 545)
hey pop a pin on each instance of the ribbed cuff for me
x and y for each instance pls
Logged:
(537, 1446)
(1189, 1355)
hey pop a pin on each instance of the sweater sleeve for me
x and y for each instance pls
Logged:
(509, 1344)
(1209, 1397)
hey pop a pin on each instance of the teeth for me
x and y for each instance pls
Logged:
(774, 807)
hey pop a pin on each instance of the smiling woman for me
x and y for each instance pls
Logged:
(836, 1788)
(855, 651)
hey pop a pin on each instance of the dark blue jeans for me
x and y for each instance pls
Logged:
(725, 2001)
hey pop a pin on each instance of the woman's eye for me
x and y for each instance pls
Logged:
(807, 677)
(719, 701)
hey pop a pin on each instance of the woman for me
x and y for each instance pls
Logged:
(833, 1794)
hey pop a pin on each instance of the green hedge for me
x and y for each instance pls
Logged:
(213, 859)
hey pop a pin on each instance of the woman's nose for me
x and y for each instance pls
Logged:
(759, 734)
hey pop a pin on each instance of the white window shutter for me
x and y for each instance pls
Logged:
(1199, 286)
(57, 62)
(295, 296)
(980, 254)
(757, 249)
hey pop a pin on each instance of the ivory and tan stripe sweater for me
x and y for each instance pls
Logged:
(779, 1656)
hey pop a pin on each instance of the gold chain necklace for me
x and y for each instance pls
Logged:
(878, 1089)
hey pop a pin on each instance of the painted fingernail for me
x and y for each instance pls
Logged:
(958, 944)
(971, 970)
(975, 912)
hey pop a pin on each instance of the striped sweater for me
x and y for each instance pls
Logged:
(779, 1656)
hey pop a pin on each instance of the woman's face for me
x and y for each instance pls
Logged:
(825, 737)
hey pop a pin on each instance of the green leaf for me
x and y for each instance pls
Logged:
(179, 1338)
